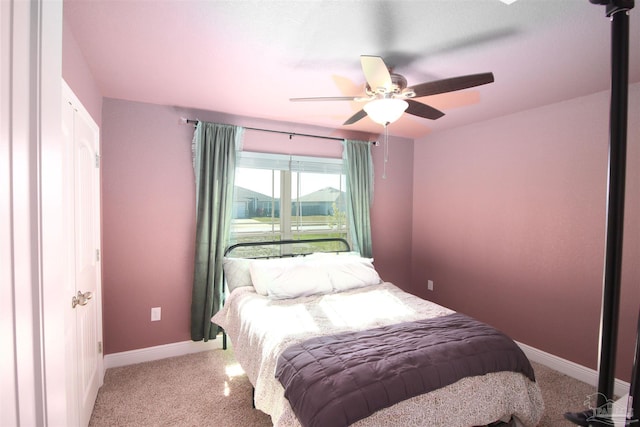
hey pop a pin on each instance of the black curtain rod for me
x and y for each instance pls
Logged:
(291, 134)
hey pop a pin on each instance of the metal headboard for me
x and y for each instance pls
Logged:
(304, 243)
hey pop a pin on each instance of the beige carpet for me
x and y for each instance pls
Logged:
(210, 389)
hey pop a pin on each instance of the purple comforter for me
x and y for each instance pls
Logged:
(339, 379)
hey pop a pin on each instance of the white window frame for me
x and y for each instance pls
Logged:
(288, 164)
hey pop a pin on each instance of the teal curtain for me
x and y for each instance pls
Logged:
(359, 171)
(214, 147)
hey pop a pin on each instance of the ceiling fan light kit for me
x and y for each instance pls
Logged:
(385, 110)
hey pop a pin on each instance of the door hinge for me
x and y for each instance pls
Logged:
(97, 160)
(99, 347)
(97, 255)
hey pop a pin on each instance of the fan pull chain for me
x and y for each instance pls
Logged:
(386, 151)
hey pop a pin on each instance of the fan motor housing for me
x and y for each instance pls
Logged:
(398, 84)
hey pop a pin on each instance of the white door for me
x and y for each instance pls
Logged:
(84, 338)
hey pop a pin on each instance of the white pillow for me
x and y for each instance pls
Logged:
(350, 272)
(236, 272)
(289, 278)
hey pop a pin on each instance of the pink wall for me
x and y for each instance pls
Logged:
(392, 212)
(77, 74)
(148, 225)
(149, 215)
(509, 221)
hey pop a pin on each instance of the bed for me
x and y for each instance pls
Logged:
(313, 331)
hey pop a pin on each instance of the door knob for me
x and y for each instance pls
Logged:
(81, 299)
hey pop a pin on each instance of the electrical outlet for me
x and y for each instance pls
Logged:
(156, 314)
(430, 285)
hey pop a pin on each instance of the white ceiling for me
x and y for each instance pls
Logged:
(248, 57)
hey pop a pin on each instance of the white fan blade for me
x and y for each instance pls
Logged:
(376, 72)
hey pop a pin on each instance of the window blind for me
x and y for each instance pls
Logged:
(256, 160)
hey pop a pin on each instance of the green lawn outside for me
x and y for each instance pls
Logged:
(321, 219)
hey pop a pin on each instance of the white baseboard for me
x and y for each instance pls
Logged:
(571, 369)
(159, 352)
(148, 354)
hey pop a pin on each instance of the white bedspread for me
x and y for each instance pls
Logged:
(260, 329)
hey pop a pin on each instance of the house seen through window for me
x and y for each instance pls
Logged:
(278, 197)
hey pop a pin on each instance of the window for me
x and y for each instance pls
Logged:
(280, 197)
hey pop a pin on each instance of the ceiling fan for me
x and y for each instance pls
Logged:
(387, 96)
